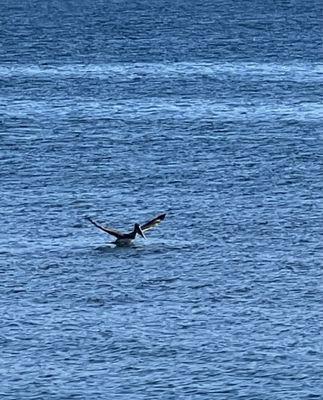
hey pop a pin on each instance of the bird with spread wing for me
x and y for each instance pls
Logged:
(125, 239)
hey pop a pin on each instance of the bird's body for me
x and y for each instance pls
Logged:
(126, 239)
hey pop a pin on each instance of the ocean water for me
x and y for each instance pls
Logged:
(208, 111)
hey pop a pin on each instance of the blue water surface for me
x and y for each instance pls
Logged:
(209, 111)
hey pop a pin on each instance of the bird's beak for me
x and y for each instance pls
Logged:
(141, 232)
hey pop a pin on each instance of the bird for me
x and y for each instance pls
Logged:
(126, 239)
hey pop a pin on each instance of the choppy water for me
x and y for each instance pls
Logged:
(208, 111)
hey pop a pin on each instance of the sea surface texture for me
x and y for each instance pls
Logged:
(210, 111)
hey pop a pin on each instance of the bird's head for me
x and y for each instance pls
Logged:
(139, 231)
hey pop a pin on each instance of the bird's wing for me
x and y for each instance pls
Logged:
(152, 223)
(111, 231)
